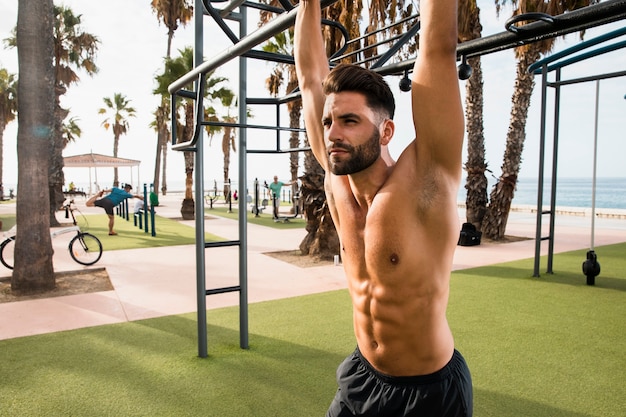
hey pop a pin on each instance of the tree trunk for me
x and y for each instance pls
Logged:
(494, 225)
(2, 127)
(157, 160)
(116, 144)
(33, 270)
(56, 177)
(164, 159)
(476, 182)
(295, 110)
(188, 208)
(321, 240)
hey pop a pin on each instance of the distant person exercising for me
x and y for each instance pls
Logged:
(396, 250)
(275, 187)
(108, 202)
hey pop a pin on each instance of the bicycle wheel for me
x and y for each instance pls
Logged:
(85, 249)
(7, 251)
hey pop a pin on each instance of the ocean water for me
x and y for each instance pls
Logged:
(570, 192)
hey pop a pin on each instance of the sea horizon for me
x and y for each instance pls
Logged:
(610, 192)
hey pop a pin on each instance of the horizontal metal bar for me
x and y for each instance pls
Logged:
(249, 126)
(290, 150)
(584, 18)
(222, 244)
(273, 100)
(223, 290)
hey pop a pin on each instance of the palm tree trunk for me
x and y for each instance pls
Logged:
(116, 144)
(56, 178)
(476, 182)
(164, 159)
(494, 225)
(294, 143)
(188, 209)
(2, 127)
(321, 240)
(36, 118)
(157, 162)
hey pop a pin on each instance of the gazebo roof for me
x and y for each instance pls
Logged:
(96, 160)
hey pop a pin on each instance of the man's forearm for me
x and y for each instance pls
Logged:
(309, 51)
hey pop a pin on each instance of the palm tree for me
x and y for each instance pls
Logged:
(8, 111)
(33, 270)
(171, 13)
(160, 124)
(119, 110)
(175, 68)
(475, 167)
(73, 49)
(71, 131)
(494, 224)
(283, 44)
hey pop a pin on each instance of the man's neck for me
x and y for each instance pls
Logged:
(366, 184)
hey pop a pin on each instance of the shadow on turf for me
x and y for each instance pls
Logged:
(495, 404)
(506, 272)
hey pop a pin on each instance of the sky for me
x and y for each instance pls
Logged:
(131, 51)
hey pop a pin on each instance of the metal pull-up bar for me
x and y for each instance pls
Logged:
(281, 23)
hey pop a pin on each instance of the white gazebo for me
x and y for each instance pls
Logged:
(95, 161)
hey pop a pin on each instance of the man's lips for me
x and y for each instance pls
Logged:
(338, 150)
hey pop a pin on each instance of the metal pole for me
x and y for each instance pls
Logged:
(243, 219)
(555, 159)
(542, 145)
(595, 158)
(199, 202)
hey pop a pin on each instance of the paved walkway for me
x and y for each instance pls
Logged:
(161, 281)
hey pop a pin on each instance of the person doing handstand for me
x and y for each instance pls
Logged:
(114, 197)
(396, 251)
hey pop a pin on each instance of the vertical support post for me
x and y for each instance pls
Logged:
(555, 158)
(542, 151)
(243, 163)
(145, 209)
(595, 160)
(198, 16)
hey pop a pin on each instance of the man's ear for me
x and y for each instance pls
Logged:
(388, 127)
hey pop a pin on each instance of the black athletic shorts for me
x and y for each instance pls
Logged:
(363, 391)
(106, 203)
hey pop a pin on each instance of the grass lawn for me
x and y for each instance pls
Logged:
(168, 232)
(264, 219)
(537, 347)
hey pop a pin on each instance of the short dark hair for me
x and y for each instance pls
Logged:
(348, 77)
(130, 187)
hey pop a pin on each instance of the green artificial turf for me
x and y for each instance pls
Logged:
(168, 232)
(537, 347)
(263, 219)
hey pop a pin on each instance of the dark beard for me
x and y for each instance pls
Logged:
(362, 156)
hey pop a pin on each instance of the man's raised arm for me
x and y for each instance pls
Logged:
(312, 69)
(437, 110)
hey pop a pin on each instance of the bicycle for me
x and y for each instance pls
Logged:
(85, 248)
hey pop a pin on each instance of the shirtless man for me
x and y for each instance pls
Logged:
(397, 251)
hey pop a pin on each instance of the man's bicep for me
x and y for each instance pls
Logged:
(312, 105)
(437, 112)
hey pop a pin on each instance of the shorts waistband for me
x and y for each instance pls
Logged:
(455, 362)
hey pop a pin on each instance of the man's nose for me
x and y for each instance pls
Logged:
(334, 133)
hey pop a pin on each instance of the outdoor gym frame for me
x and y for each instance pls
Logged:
(541, 27)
